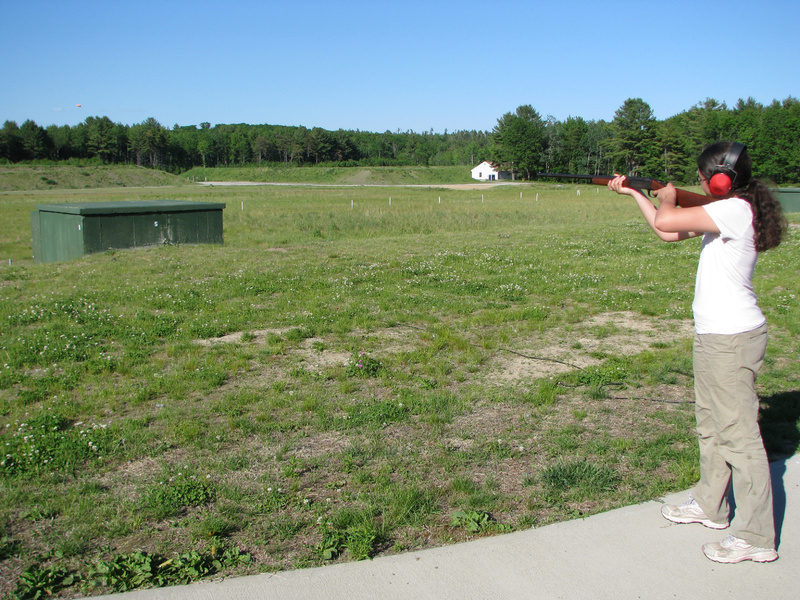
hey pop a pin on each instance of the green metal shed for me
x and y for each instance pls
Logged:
(789, 198)
(66, 231)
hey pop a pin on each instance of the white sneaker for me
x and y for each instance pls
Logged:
(735, 550)
(689, 512)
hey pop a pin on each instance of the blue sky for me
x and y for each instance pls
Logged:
(387, 65)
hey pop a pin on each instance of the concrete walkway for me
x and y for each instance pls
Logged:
(625, 554)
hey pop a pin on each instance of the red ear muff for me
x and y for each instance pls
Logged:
(719, 184)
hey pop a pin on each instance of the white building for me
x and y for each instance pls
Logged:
(487, 172)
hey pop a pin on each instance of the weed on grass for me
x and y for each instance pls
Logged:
(346, 378)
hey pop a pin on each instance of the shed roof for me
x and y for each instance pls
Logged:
(129, 207)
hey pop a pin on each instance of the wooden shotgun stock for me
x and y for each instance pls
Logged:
(685, 198)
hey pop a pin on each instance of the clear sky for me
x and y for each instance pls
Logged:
(378, 65)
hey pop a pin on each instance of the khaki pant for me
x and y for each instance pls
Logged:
(731, 449)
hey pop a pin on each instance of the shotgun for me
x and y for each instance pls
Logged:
(685, 198)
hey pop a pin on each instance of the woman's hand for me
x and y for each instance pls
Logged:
(667, 195)
(618, 185)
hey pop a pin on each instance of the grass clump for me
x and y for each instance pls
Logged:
(139, 569)
(172, 497)
(355, 531)
(577, 480)
(51, 442)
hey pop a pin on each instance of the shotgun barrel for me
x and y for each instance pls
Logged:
(685, 197)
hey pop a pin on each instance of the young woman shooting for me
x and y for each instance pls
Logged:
(741, 219)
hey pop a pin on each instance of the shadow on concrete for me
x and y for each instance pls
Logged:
(778, 420)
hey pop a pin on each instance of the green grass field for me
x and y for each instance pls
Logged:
(332, 175)
(358, 371)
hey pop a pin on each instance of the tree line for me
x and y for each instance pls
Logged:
(181, 148)
(634, 142)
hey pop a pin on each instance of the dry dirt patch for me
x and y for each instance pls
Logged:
(579, 345)
(259, 337)
(552, 352)
(314, 354)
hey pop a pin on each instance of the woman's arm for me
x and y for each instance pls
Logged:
(694, 220)
(667, 225)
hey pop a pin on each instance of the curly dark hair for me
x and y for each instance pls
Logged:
(768, 219)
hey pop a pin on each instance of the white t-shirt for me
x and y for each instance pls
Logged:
(724, 300)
